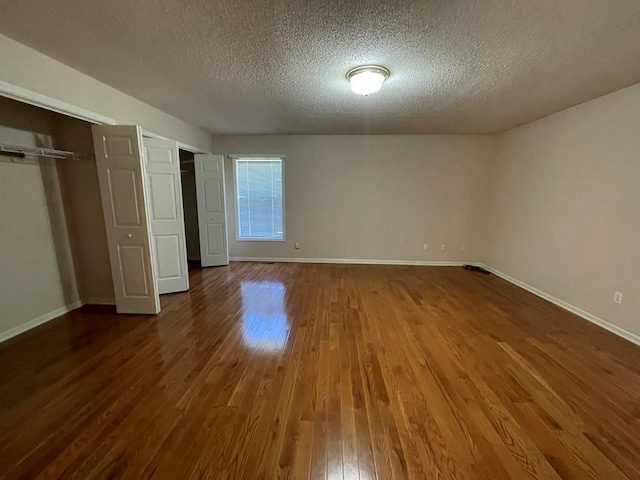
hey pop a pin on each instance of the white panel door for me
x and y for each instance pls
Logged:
(212, 215)
(169, 245)
(123, 192)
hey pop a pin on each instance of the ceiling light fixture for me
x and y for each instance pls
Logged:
(367, 79)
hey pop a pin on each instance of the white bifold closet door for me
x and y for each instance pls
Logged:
(169, 245)
(212, 216)
(122, 188)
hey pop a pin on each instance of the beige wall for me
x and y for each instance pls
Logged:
(81, 194)
(52, 231)
(564, 208)
(32, 70)
(38, 272)
(371, 197)
(553, 204)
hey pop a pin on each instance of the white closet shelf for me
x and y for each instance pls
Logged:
(22, 151)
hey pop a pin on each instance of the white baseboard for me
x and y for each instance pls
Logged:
(39, 320)
(99, 301)
(632, 337)
(348, 261)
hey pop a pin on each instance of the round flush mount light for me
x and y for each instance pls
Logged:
(367, 79)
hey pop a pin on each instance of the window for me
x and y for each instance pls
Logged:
(259, 198)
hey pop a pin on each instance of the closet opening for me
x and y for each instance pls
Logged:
(190, 207)
(93, 214)
(53, 249)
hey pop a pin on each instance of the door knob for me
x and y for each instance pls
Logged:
(129, 235)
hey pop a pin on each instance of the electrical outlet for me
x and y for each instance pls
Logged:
(443, 246)
(463, 247)
(617, 298)
(425, 246)
(297, 245)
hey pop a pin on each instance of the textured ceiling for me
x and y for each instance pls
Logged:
(278, 66)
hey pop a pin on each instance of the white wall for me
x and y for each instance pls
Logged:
(564, 208)
(371, 197)
(30, 69)
(37, 267)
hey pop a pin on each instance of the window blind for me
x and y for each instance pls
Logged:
(259, 198)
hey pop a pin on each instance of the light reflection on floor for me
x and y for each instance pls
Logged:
(264, 319)
(353, 475)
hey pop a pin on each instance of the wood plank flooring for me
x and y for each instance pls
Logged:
(325, 372)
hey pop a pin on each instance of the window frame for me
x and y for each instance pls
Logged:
(236, 199)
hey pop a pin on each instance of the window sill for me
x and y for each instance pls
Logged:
(260, 240)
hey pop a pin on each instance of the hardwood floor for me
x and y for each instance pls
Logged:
(325, 372)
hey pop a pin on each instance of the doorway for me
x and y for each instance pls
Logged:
(190, 207)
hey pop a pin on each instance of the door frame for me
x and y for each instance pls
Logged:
(24, 95)
(181, 145)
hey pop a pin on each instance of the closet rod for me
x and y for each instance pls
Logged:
(22, 151)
